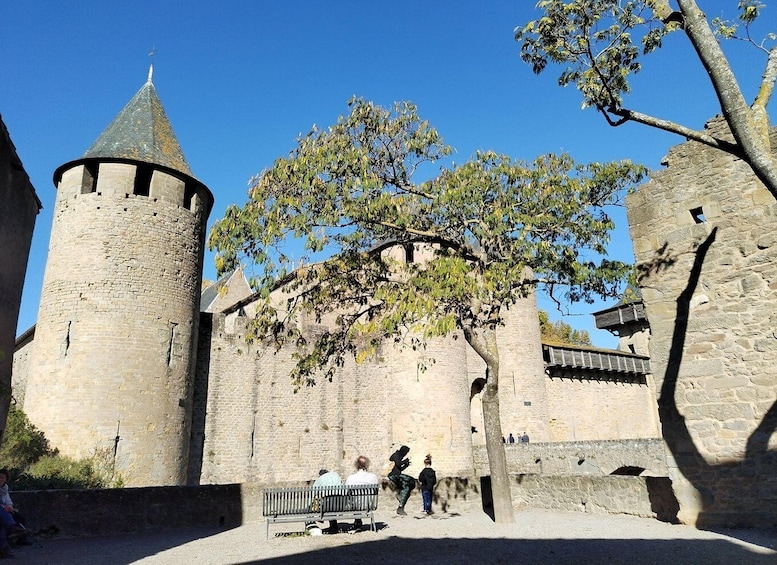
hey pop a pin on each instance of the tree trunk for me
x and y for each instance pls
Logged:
(752, 137)
(483, 341)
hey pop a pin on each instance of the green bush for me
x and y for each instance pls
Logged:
(35, 466)
(23, 443)
(59, 472)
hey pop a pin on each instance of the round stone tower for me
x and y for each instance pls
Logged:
(115, 340)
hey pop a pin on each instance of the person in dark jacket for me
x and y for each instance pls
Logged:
(427, 478)
(404, 483)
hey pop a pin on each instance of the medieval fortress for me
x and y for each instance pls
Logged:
(130, 353)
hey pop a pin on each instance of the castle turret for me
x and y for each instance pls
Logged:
(115, 341)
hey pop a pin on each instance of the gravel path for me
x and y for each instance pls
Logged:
(537, 537)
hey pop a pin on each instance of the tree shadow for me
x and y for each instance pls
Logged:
(730, 492)
(431, 551)
(213, 547)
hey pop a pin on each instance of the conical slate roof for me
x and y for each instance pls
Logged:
(141, 132)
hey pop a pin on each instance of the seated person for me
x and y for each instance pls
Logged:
(362, 476)
(328, 479)
(17, 528)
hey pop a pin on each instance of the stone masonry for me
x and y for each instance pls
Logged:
(705, 240)
(123, 361)
(19, 206)
(115, 338)
(249, 424)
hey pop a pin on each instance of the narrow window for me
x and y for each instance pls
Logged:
(89, 179)
(698, 215)
(188, 197)
(409, 253)
(142, 181)
(66, 342)
(171, 345)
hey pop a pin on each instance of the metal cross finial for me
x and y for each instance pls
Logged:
(151, 66)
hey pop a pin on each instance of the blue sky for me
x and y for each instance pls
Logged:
(241, 79)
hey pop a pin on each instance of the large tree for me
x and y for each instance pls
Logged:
(601, 43)
(561, 332)
(486, 233)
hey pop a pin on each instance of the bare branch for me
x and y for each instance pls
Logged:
(767, 82)
(671, 127)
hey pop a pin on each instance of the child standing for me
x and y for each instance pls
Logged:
(427, 478)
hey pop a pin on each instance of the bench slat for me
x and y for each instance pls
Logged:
(304, 504)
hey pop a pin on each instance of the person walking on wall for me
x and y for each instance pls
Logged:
(404, 483)
(510, 438)
(525, 438)
(427, 478)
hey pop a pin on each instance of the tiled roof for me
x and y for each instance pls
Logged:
(141, 132)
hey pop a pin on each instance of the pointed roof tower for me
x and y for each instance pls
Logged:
(141, 132)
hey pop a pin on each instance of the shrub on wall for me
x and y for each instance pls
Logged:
(23, 443)
(35, 466)
(59, 472)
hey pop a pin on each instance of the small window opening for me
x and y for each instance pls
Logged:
(628, 470)
(631, 348)
(89, 181)
(188, 197)
(409, 253)
(142, 181)
(698, 215)
(66, 343)
(171, 344)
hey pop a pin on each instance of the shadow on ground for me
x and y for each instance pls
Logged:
(556, 552)
(109, 550)
(125, 550)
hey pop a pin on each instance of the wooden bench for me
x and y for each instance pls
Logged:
(313, 504)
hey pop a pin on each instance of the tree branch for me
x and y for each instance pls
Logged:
(671, 127)
(767, 83)
(749, 136)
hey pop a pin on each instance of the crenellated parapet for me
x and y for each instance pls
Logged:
(124, 179)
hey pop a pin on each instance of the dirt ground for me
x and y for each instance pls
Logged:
(537, 537)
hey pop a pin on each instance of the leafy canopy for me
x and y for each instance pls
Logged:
(482, 234)
(602, 42)
(561, 332)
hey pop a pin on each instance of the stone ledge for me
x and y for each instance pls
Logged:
(83, 513)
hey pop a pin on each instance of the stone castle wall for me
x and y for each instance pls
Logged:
(102, 512)
(22, 359)
(591, 409)
(523, 397)
(578, 458)
(258, 428)
(19, 206)
(705, 239)
(116, 331)
(249, 423)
